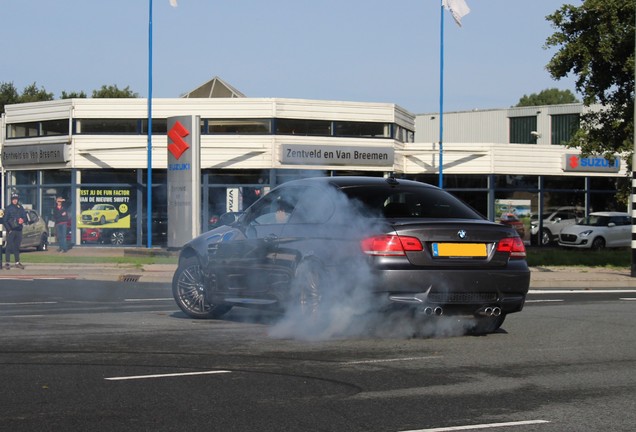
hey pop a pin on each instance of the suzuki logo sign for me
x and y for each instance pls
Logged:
(178, 145)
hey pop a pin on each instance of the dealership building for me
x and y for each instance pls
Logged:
(95, 153)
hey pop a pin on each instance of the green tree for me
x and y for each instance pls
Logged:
(9, 94)
(551, 96)
(73, 95)
(595, 43)
(112, 91)
(32, 93)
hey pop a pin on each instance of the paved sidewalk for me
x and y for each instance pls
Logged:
(541, 277)
(155, 273)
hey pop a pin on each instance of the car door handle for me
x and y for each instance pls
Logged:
(271, 238)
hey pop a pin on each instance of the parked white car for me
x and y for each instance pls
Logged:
(554, 220)
(599, 230)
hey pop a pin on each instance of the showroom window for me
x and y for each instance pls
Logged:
(521, 129)
(563, 127)
(35, 129)
(363, 129)
(303, 127)
(237, 126)
(107, 126)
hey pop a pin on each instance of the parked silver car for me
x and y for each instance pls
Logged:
(35, 233)
(554, 220)
(599, 230)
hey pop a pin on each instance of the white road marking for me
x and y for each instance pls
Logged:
(627, 298)
(582, 291)
(136, 377)
(27, 303)
(150, 299)
(544, 301)
(390, 360)
(481, 426)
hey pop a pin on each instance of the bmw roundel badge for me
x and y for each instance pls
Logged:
(461, 234)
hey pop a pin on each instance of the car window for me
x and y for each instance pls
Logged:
(314, 206)
(410, 202)
(275, 208)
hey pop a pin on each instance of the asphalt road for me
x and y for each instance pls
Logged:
(80, 355)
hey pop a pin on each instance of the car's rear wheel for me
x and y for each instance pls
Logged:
(189, 291)
(489, 324)
(307, 290)
(44, 243)
(598, 243)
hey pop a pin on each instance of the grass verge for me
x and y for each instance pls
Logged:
(537, 257)
(557, 256)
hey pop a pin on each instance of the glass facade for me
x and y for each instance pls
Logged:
(503, 198)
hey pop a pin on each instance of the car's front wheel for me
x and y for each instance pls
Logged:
(189, 291)
(44, 243)
(598, 243)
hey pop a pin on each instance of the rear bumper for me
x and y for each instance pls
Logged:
(461, 291)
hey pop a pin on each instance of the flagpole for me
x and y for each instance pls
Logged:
(441, 98)
(149, 173)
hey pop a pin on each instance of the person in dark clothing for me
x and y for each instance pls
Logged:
(1, 223)
(61, 219)
(14, 219)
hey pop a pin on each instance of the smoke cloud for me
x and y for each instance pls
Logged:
(347, 307)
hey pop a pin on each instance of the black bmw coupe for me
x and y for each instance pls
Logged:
(374, 243)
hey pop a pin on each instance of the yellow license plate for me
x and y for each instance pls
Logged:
(459, 250)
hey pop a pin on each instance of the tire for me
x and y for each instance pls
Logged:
(117, 238)
(486, 325)
(102, 220)
(189, 291)
(546, 237)
(307, 290)
(44, 243)
(598, 243)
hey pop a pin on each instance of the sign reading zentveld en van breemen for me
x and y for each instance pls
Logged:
(184, 185)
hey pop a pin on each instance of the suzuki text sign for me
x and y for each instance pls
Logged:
(576, 162)
(184, 180)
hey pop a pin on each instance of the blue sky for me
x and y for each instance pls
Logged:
(352, 50)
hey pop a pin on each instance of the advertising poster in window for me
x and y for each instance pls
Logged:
(103, 207)
(514, 213)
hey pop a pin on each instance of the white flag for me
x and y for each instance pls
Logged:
(457, 8)
(173, 3)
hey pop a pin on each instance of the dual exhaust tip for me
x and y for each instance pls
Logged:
(490, 311)
(486, 311)
(429, 310)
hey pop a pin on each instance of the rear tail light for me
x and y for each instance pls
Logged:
(513, 246)
(390, 245)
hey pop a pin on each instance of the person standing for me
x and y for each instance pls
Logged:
(14, 219)
(1, 223)
(61, 219)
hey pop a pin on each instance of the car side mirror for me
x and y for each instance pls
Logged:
(611, 224)
(229, 218)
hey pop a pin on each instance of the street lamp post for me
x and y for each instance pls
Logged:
(149, 171)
